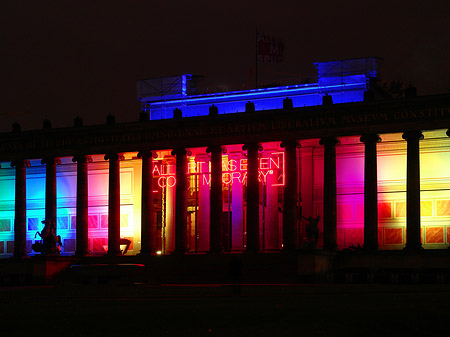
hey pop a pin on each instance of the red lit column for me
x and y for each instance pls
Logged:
(148, 223)
(252, 197)
(114, 204)
(180, 201)
(329, 194)
(290, 210)
(370, 191)
(216, 232)
(20, 215)
(50, 188)
(82, 248)
(413, 241)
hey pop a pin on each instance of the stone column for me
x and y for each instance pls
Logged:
(50, 188)
(413, 241)
(329, 194)
(20, 215)
(82, 248)
(114, 204)
(180, 201)
(290, 211)
(370, 191)
(252, 197)
(148, 223)
(216, 231)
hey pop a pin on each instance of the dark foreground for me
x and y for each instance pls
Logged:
(213, 310)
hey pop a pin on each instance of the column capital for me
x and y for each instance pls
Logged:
(329, 141)
(413, 135)
(147, 154)
(216, 148)
(179, 152)
(114, 156)
(20, 163)
(51, 160)
(252, 146)
(370, 138)
(290, 143)
(82, 158)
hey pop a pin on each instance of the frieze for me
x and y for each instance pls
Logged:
(233, 127)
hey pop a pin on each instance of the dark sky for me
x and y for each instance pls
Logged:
(64, 58)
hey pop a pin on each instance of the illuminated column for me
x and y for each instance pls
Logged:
(216, 232)
(203, 213)
(370, 191)
(148, 224)
(413, 241)
(50, 188)
(114, 204)
(181, 201)
(329, 193)
(290, 211)
(82, 248)
(252, 197)
(237, 203)
(20, 215)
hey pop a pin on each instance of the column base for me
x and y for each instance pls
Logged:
(413, 248)
(114, 253)
(147, 252)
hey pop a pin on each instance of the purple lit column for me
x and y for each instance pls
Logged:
(216, 232)
(148, 223)
(180, 201)
(329, 194)
(252, 197)
(20, 215)
(370, 191)
(114, 204)
(413, 241)
(290, 210)
(82, 248)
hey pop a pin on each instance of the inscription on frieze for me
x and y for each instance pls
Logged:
(301, 119)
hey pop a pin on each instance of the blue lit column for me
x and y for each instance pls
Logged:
(290, 211)
(181, 201)
(20, 215)
(50, 188)
(329, 194)
(252, 197)
(413, 241)
(114, 204)
(370, 191)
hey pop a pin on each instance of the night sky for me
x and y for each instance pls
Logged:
(62, 59)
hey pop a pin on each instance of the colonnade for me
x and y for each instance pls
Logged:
(290, 200)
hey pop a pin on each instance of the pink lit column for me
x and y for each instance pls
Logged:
(413, 241)
(20, 215)
(237, 211)
(114, 204)
(370, 191)
(82, 248)
(290, 210)
(252, 198)
(181, 201)
(148, 224)
(329, 194)
(216, 232)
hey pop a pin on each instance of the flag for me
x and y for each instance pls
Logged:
(269, 49)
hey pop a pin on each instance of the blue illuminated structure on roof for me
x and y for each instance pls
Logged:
(344, 80)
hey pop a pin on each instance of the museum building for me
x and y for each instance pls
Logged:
(331, 165)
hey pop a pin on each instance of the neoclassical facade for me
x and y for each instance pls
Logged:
(374, 174)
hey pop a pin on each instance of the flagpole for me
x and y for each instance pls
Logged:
(256, 59)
